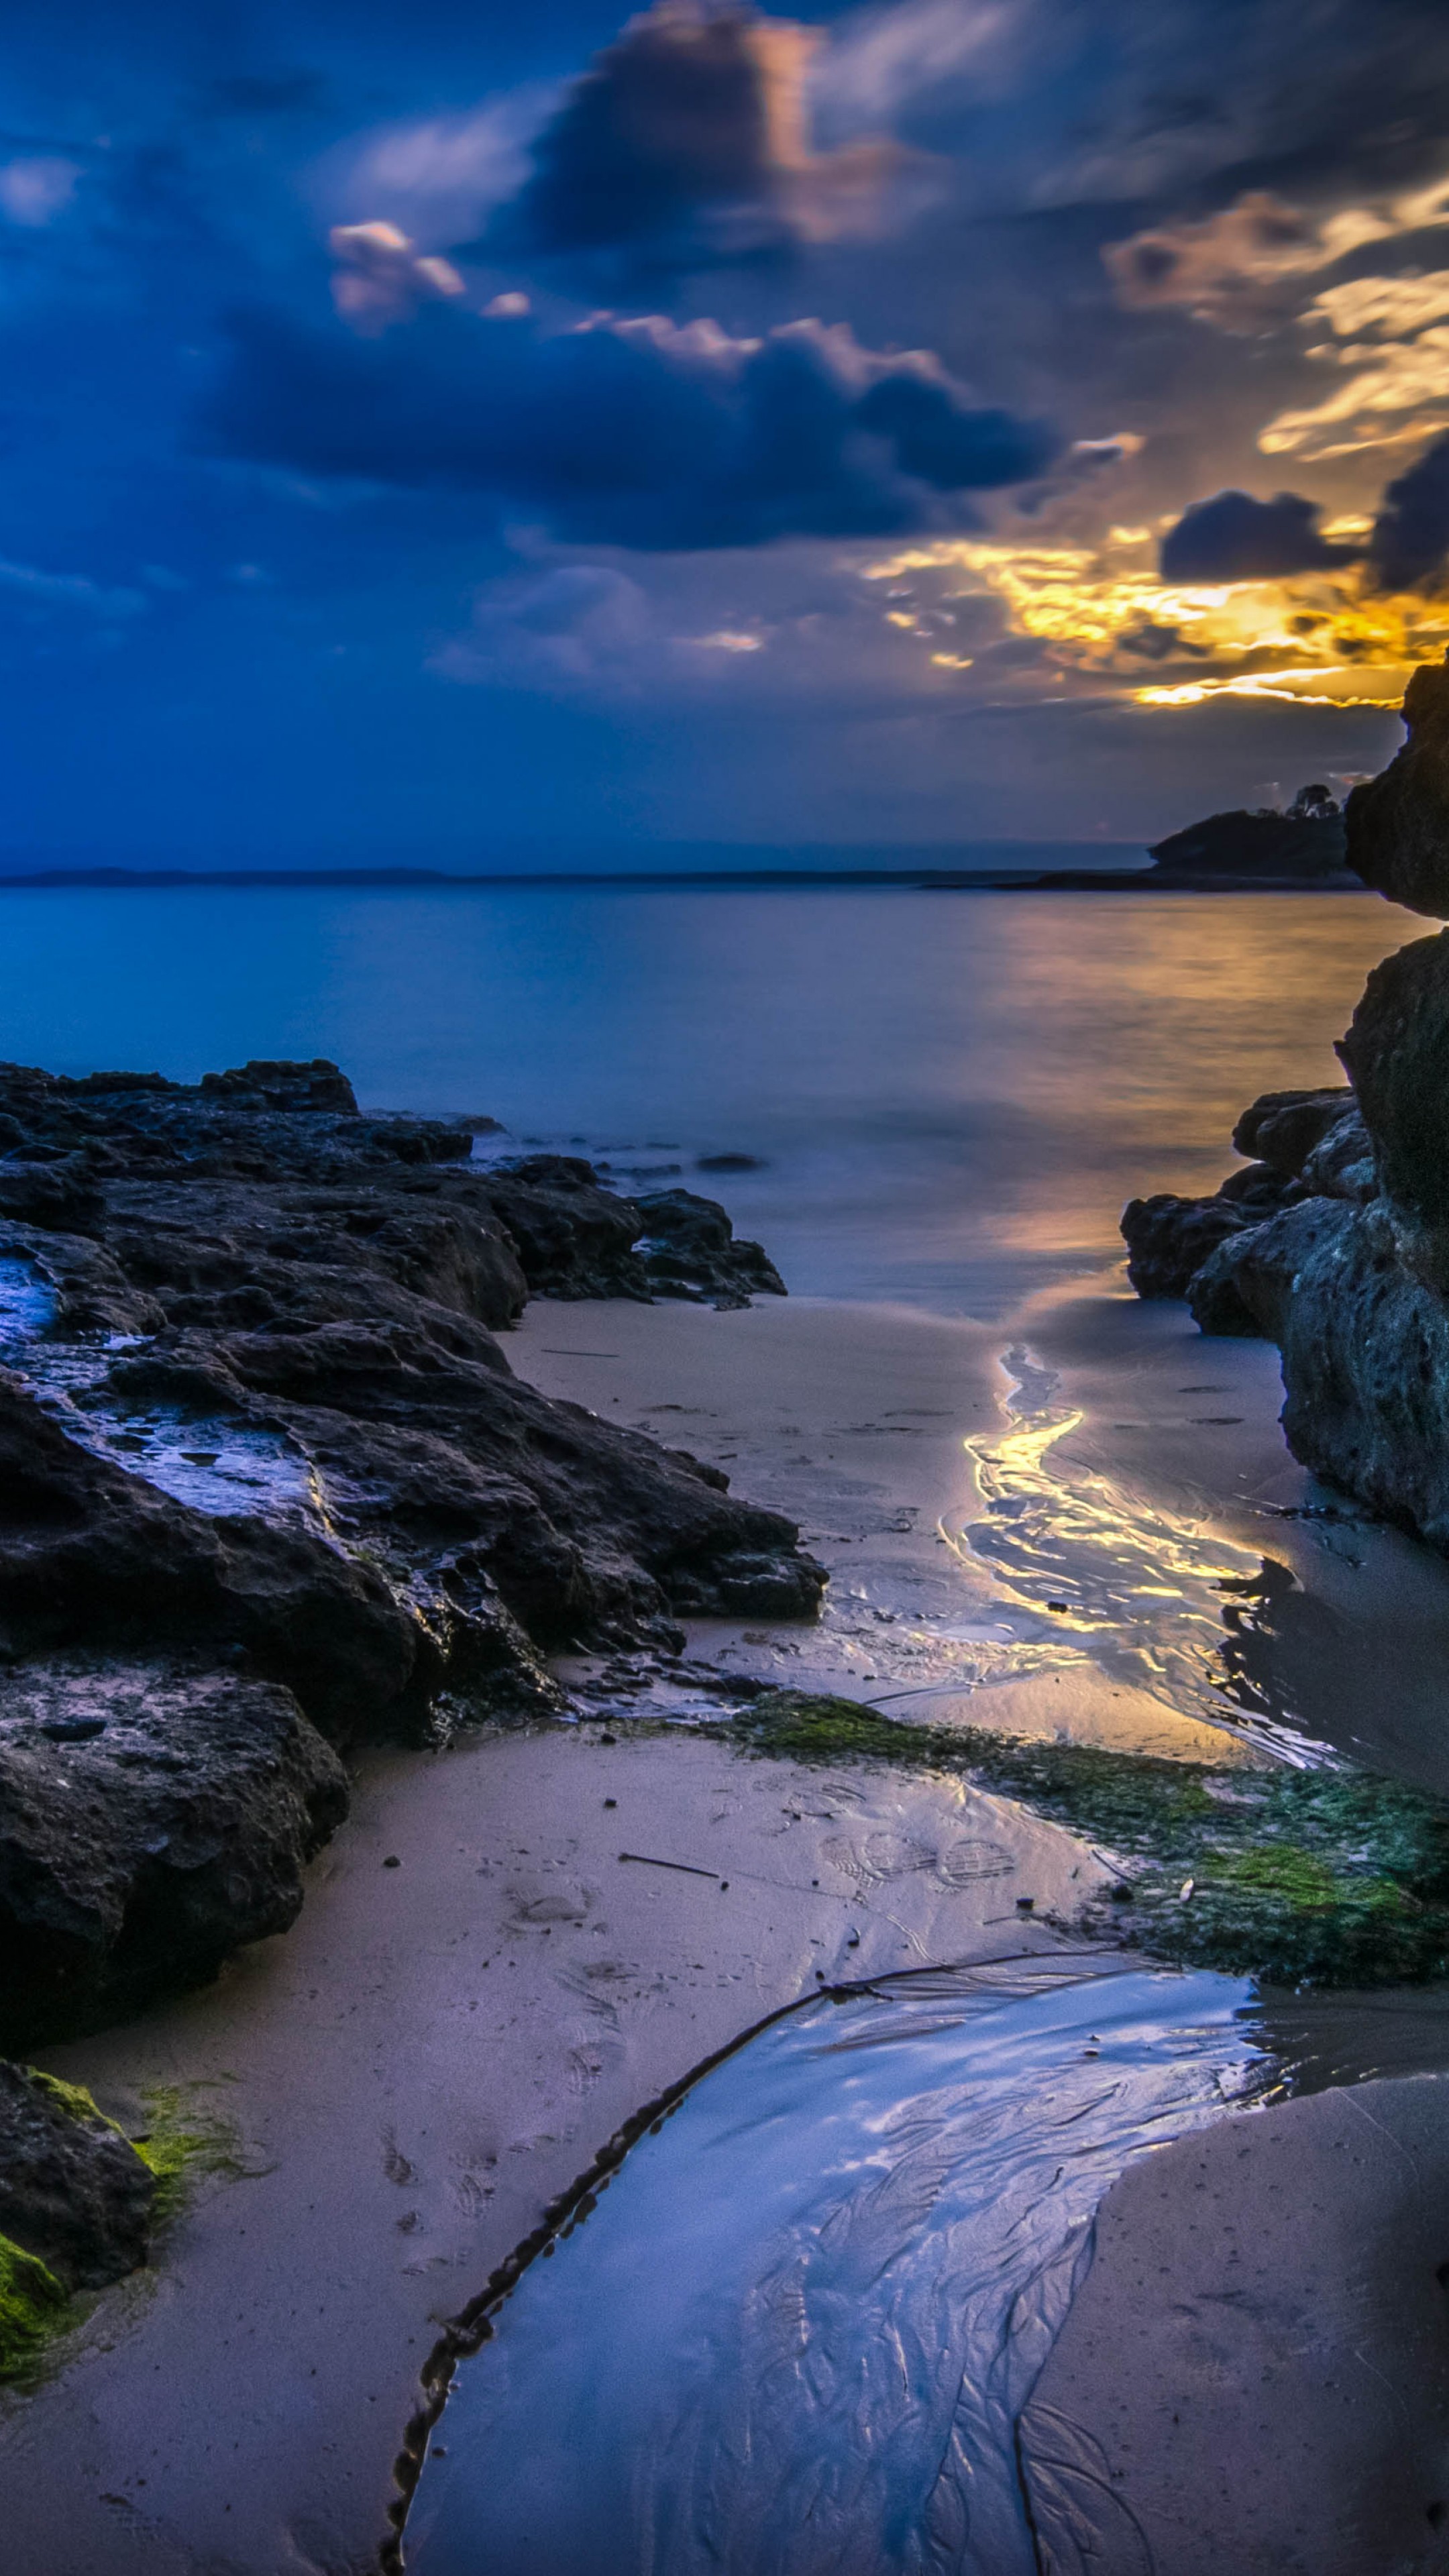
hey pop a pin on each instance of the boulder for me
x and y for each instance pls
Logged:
(1282, 1128)
(690, 1250)
(152, 1819)
(73, 2191)
(573, 1237)
(1398, 823)
(1169, 1238)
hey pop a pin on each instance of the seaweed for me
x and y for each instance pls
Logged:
(1332, 1877)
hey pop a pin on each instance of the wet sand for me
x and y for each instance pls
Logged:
(439, 2047)
(1255, 2374)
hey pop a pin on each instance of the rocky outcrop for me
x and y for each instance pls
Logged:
(690, 1250)
(1344, 1260)
(1398, 823)
(74, 2194)
(1170, 1238)
(268, 1487)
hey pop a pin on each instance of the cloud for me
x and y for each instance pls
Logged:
(380, 276)
(567, 628)
(440, 177)
(630, 432)
(1234, 537)
(688, 141)
(27, 585)
(34, 191)
(1228, 267)
(1397, 384)
(1409, 548)
(1405, 378)
(881, 60)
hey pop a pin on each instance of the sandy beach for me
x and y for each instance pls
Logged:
(512, 1945)
(439, 2047)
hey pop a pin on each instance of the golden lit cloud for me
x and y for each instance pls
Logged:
(1397, 377)
(1102, 616)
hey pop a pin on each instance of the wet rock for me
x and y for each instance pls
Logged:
(1308, 1144)
(1282, 1128)
(260, 1429)
(1398, 823)
(1169, 1238)
(1365, 1352)
(90, 1554)
(1245, 1287)
(61, 1194)
(152, 1819)
(691, 1250)
(573, 1237)
(1397, 1050)
(73, 2191)
(264, 1084)
(1342, 1166)
(729, 1163)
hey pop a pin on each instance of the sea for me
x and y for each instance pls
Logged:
(944, 1097)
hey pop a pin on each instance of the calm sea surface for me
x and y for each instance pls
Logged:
(951, 1095)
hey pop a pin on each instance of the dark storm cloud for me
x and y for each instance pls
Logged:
(1409, 548)
(687, 140)
(1233, 537)
(632, 434)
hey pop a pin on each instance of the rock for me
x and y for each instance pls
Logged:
(73, 2191)
(266, 1085)
(1215, 1292)
(1398, 823)
(152, 1819)
(690, 1250)
(1365, 1353)
(1168, 1239)
(91, 1555)
(1342, 1166)
(267, 1479)
(1283, 1127)
(729, 1163)
(1397, 1050)
(573, 1237)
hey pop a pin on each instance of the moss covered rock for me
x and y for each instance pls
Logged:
(1324, 1877)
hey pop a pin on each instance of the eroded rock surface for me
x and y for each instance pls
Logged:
(1397, 1050)
(151, 1820)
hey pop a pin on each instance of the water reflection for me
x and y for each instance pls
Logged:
(794, 2337)
(1165, 1605)
(952, 1094)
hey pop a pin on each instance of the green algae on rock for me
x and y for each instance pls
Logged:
(34, 2309)
(1302, 1877)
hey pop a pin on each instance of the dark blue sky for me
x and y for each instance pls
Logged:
(428, 430)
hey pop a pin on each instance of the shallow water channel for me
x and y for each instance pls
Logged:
(793, 2334)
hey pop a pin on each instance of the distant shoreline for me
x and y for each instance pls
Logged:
(674, 880)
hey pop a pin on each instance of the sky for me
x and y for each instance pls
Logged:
(442, 433)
